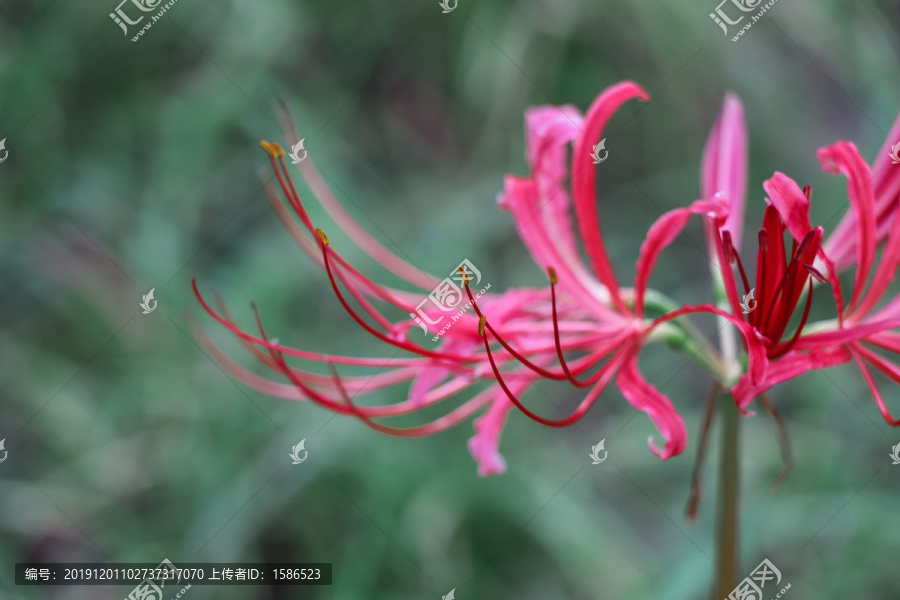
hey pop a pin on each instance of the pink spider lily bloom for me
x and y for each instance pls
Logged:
(541, 209)
(590, 316)
(781, 277)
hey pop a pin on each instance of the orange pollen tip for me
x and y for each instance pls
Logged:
(464, 274)
(272, 148)
(481, 323)
(552, 273)
(322, 236)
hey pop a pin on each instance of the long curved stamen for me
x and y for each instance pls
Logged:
(396, 343)
(690, 510)
(588, 360)
(551, 272)
(276, 153)
(859, 351)
(784, 440)
(290, 192)
(579, 412)
(358, 295)
(761, 260)
(363, 301)
(763, 324)
(731, 252)
(316, 356)
(785, 347)
(815, 273)
(482, 323)
(790, 276)
(313, 395)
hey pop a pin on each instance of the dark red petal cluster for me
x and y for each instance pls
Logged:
(781, 277)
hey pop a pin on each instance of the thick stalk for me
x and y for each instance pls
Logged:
(727, 505)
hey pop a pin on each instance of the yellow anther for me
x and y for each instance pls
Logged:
(272, 148)
(464, 273)
(481, 323)
(322, 236)
(552, 273)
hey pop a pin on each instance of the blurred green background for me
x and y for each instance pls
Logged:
(132, 166)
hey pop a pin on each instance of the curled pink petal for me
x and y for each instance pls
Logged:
(841, 244)
(790, 202)
(645, 397)
(843, 157)
(584, 180)
(663, 231)
(484, 445)
(791, 365)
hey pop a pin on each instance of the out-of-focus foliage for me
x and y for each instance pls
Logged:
(132, 166)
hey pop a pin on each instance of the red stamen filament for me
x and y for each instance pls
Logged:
(579, 412)
(785, 347)
(396, 343)
(567, 374)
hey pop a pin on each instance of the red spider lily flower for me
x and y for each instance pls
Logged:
(782, 276)
(536, 199)
(781, 273)
(579, 314)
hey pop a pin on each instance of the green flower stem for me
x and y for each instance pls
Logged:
(682, 335)
(727, 506)
(679, 337)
